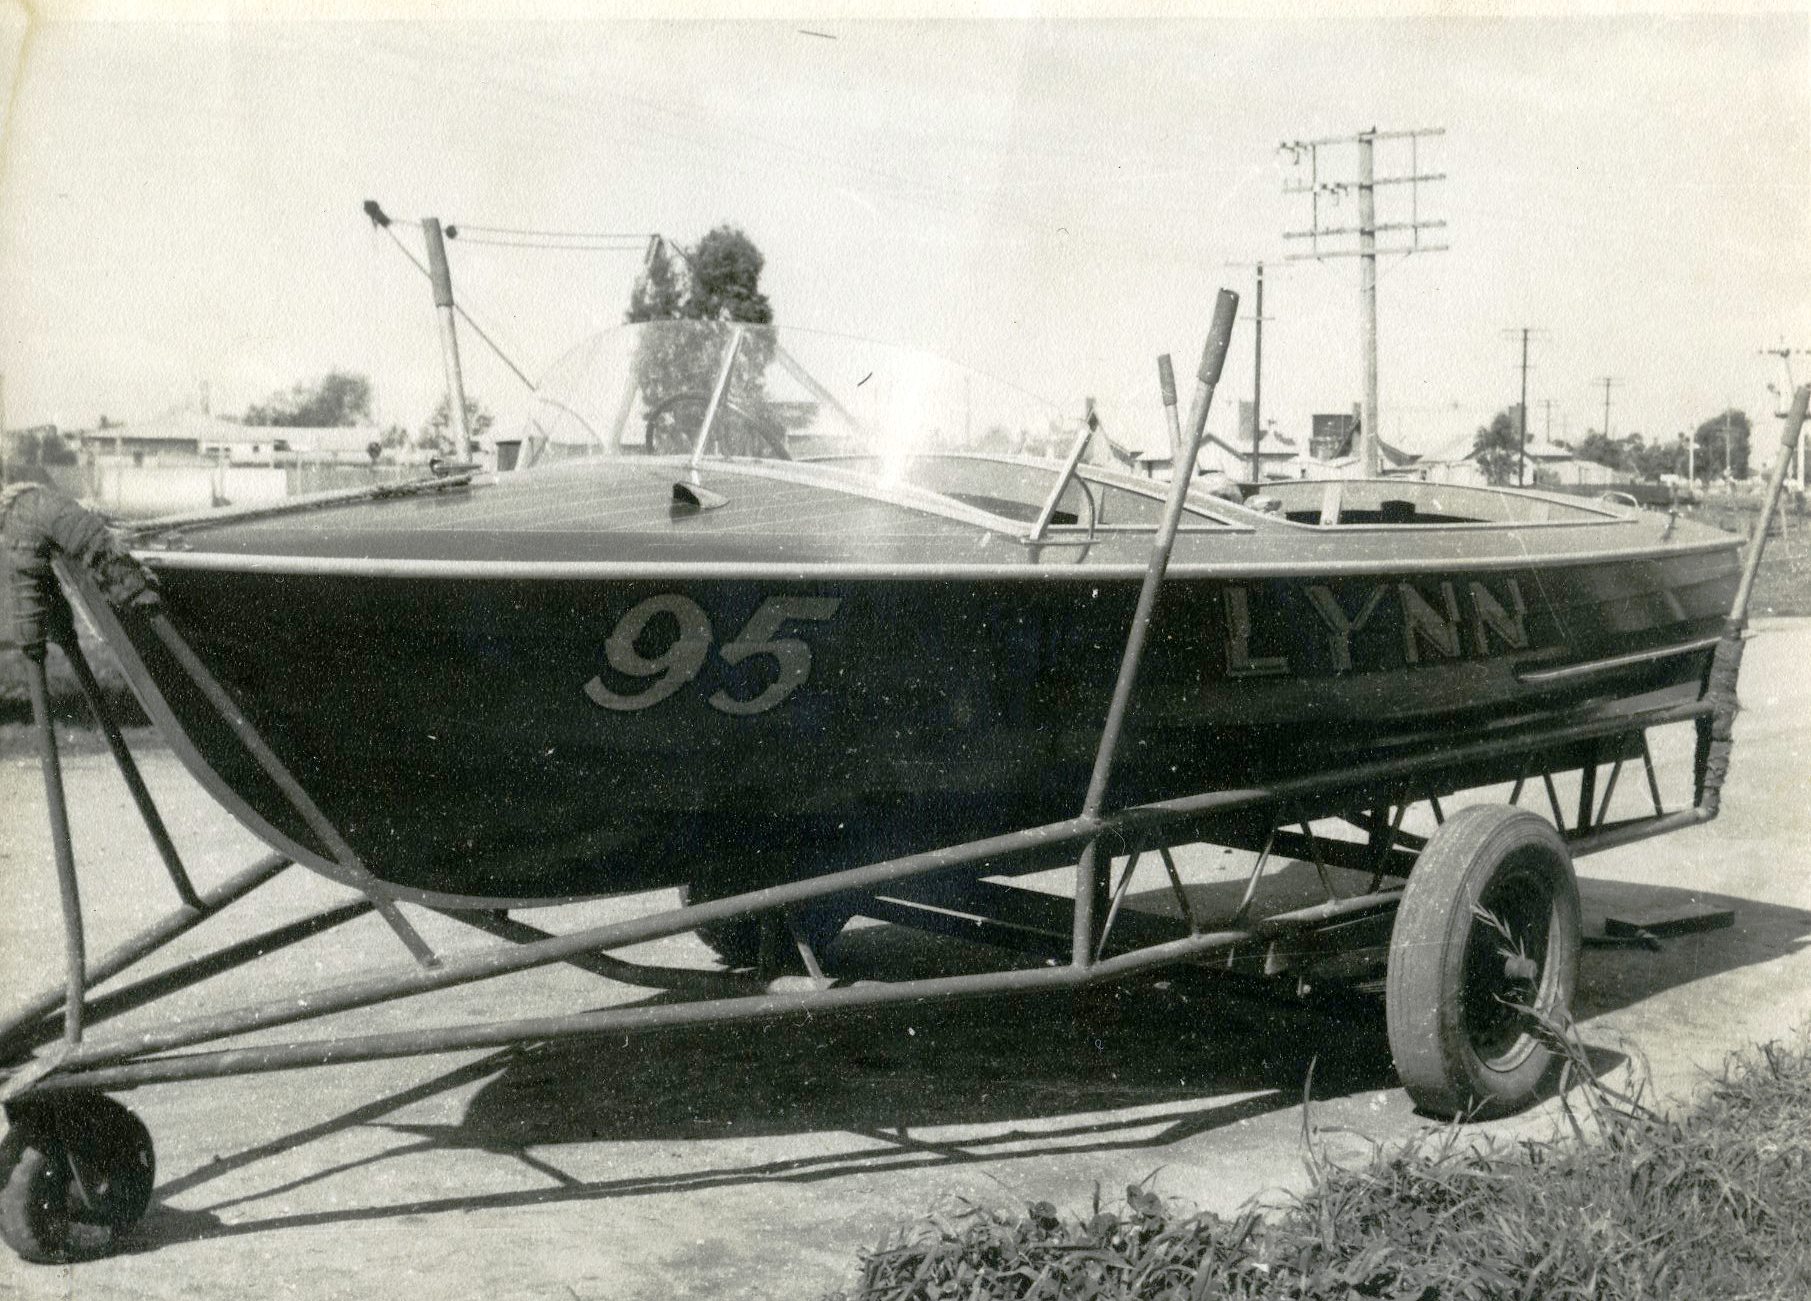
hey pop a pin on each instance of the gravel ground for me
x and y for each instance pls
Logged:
(757, 1161)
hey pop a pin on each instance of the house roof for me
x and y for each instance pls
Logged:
(208, 430)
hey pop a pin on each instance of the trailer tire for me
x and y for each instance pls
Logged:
(1458, 991)
(76, 1174)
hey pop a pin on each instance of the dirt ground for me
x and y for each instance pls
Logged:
(757, 1161)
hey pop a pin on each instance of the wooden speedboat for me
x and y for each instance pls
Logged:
(747, 605)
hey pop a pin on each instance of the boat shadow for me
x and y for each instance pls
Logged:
(1138, 1067)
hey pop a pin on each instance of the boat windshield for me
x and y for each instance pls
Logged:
(711, 390)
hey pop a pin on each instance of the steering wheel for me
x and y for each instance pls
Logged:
(747, 434)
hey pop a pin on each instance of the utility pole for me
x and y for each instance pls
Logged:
(1548, 404)
(1521, 458)
(1366, 184)
(1257, 371)
(1606, 381)
(1257, 384)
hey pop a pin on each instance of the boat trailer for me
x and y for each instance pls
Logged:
(1475, 926)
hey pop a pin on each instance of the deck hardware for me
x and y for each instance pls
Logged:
(692, 499)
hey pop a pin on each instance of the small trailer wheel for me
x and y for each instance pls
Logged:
(76, 1174)
(1488, 928)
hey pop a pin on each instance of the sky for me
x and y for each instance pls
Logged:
(1053, 199)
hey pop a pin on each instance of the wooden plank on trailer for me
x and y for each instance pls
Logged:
(1664, 920)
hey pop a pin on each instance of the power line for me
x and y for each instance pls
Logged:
(1366, 185)
(551, 245)
(551, 234)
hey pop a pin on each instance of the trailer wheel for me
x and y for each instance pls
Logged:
(1488, 928)
(76, 1174)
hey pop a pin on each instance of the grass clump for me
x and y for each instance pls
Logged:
(1627, 1203)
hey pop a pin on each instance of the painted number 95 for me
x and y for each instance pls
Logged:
(683, 657)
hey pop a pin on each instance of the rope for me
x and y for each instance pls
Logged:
(1716, 733)
(37, 524)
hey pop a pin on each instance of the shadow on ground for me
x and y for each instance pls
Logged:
(1144, 1066)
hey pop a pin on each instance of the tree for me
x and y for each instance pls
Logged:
(437, 432)
(1655, 459)
(337, 398)
(54, 449)
(1723, 444)
(1603, 451)
(1498, 448)
(659, 293)
(716, 281)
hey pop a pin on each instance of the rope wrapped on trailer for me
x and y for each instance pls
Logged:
(1716, 731)
(36, 525)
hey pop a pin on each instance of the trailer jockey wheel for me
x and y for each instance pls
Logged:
(76, 1173)
(1486, 943)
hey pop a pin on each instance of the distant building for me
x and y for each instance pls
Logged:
(195, 435)
(1548, 463)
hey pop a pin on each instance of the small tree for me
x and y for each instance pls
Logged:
(1498, 449)
(1651, 460)
(55, 450)
(337, 398)
(1603, 451)
(436, 434)
(1723, 444)
(717, 280)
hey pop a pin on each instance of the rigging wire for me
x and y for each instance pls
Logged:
(479, 329)
(557, 234)
(558, 247)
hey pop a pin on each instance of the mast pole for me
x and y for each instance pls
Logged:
(442, 277)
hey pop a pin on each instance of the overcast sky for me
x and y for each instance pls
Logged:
(1054, 201)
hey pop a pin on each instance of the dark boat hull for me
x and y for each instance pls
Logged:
(514, 738)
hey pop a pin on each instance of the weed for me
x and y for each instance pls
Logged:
(1628, 1203)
